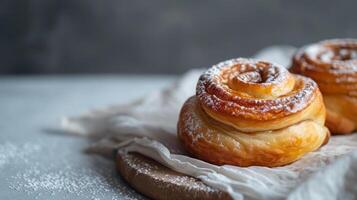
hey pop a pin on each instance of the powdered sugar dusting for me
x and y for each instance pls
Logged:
(191, 127)
(67, 178)
(10, 152)
(336, 57)
(194, 125)
(89, 183)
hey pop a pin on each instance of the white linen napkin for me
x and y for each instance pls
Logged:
(148, 126)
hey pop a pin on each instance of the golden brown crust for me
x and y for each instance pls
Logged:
(333, 65)
(226, 124)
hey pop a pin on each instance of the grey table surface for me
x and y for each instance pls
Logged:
(37, 161)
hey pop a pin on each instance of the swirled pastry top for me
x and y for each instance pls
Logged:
(255, 95)
(331, 63)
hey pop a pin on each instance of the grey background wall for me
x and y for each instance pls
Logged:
(152, 36)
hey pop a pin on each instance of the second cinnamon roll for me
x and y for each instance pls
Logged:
(333, 65)
(248, 112)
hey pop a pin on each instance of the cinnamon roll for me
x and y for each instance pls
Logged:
(247, 112)
(333, 65)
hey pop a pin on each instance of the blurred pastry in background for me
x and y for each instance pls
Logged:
(333, 65)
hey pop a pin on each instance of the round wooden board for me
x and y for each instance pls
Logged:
(159, 182)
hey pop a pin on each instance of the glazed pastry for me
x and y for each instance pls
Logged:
(333, 65)
(248, 112)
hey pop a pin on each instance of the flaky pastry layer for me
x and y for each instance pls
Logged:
(217, 143)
